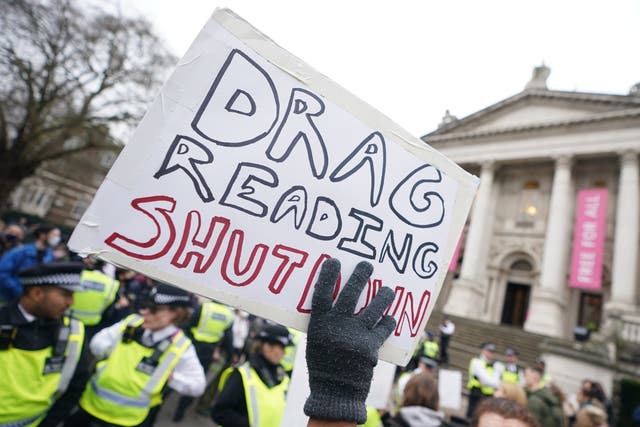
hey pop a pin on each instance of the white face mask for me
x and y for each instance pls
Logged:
(53, 241)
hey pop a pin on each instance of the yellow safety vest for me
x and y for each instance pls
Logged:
(373, 418)
(30, 384)
(399, 393)
(123, 389)
(509, 376)
(546, 379)
(214, 320)
(430, 349)
(99, 292)
(265, 406)
(290, 351)
(475, 383)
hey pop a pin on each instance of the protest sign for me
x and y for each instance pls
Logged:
(450, 389)
(251, 168)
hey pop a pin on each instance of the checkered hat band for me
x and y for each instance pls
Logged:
(168, 299)
(58, 279)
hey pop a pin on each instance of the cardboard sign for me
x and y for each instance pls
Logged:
(450, 389)
(250, 169)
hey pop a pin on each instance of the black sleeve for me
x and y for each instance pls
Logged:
(195, 317)
(226, 343)
(230, 409)
(68, 401)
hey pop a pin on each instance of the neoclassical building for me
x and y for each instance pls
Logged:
(534, 152)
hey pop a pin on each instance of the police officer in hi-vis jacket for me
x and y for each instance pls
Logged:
(140, 356)
(254, 393)
(43, 368)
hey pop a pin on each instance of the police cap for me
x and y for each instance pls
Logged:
(277, 334)
(163, 294)
(488, 346)
(65, 275)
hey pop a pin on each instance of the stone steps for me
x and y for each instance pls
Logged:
(470, 334)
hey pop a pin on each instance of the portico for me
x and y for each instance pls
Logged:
(533, 153)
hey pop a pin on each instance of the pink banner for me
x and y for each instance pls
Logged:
(588, 239)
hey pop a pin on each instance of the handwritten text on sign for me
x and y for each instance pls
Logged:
(241, 180)
(588, 239)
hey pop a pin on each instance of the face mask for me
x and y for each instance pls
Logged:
(10, 238)
(53, 240)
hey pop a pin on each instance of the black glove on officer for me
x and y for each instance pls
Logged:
(342, 349)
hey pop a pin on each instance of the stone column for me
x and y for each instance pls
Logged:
(624, 277)
(546, 311)
(467, 291)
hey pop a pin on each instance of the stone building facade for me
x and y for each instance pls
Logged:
(533, 152)
(61, 190)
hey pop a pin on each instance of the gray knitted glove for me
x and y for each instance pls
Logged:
(342, 349)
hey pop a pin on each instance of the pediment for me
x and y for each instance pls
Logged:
(531, 108)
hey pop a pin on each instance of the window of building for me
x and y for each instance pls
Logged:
(37, 198)
(529, 205)
(521, 265)
(590, 310)
(107, 159)
(79, 208)
(72, 143)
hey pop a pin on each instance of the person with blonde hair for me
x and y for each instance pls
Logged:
(511, 391)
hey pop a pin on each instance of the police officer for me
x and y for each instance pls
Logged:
(96, 307)
(141, 355)
(208, 329)
(430, 348)
(290, 351)
(253, 394)
(43, 369)
(483, 378)
(512, 373)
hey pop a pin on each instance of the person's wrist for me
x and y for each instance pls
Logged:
(329, 423)
(328, 405)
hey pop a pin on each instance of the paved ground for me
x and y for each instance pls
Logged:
(191, 418)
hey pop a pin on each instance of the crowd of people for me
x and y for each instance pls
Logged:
(85, 344)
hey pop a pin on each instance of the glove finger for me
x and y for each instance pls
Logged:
(323, 291)
(349, 296)
(372, 313)
(383, 329)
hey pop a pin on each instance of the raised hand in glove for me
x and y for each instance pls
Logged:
(342, 349)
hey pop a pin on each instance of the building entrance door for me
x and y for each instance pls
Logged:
(516, 304)
(590, 312)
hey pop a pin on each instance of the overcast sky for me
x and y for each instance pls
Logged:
(412, 60)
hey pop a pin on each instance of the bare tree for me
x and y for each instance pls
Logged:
(70, 78)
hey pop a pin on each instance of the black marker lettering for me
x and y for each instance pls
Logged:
(230, 114)
(298, 124)
(242, 185)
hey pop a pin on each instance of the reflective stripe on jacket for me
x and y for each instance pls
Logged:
(99, 292)
(475, 383)
(265, 406)
(214, 320)
(30, 384)
(430, 349)
(120, 392)
(290, 351)
(511, 374)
